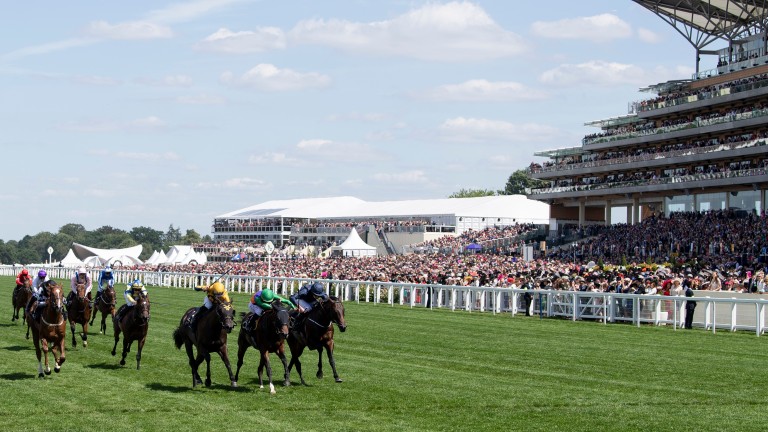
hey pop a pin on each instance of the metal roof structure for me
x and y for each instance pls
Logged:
(702, 22)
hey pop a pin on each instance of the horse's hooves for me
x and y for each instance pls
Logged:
(261, 386)
(85, 344)
(122, 362)
(57, 369)
(207, 382)
(48, 372)
(114, 352)
(319, 375)
(338, 380)
(41, 375)
(234, 384)
(286, 383)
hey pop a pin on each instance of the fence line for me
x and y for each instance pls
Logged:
(712, 313)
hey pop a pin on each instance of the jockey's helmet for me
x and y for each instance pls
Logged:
(108, 269)
(317, 289)
(81, 270)
(267, 295)
(42, 274)
(24, 272)
(217, 288)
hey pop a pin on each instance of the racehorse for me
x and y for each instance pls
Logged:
(134, 326)
(79, 312)
(21, 296)
(106, 305)
(316, 333)
(209, 335)
(50, 331)
(269, 336)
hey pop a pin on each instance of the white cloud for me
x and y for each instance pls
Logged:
(269, 158)
(267, 77)
(648, 36)
(167, 81)
(597, 28)
(244, 42)
(462, 129)
(313, 144)
(406, 177)
(455, 31)
(480, 90)
(244, 183)
(595, 72)
(320, 149)
(149, 157)
(356, 116)
(201, 99)
(188, 11)
(131, 30)
(96, 80)
(138, 125)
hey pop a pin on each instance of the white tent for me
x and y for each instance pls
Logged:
(355, 246)
(71, 260)
(123, 260)
(96, 257)
(152, 258)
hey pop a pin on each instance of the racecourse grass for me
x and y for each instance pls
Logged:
(403, 369)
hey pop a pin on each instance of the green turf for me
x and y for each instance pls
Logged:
(403, 369)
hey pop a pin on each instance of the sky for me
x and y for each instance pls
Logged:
(152, 113)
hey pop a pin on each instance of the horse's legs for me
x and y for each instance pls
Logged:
(127, 342)
(193, 363)
(93, 315)
(84, 334)
(224, 354)
(320, 362)
(242, 347)
(295, 355)
(116, 328)
(73, 326)
(331, 360)
(62, 353)
(38, 352)
(262, 362)
(207, 369)
(45, 354)
(286, 377)
(138, 354)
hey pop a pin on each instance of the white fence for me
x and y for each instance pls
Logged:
(713, 312)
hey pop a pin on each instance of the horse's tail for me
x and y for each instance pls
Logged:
(178, 337)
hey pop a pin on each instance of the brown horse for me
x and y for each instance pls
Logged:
(209, 335)
(21, 296)
(106, 305)
(134, 324)
(50, 331)
(316, 332)
(79, 312)
(269, 336)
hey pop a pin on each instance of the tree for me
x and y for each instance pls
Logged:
(520, 180)
(191, 237)
(172, 236)
(150, 239)
(472, 193)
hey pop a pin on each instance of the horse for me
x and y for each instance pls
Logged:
(268, 336)
(105, 305)
(316, 333)
(21, 296)
(50, 331)
(133, 324)
(209, 335)
(79, 312)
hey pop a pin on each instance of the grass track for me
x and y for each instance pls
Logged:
(404, 369)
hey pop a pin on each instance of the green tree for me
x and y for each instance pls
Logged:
(191, 237)
(76, 231)
(172, 236)
(472, 193)
(150, 239)
(520, 180)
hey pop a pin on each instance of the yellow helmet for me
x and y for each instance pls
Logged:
(217, 288)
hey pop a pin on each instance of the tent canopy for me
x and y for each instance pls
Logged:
(355, 246)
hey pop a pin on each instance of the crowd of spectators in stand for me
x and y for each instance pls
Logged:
(703, 92)
(488, 238)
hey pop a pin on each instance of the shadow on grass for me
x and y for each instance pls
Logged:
(105, 366)
(11, 324)
(16, 376)
(18, 348)
(167, 388)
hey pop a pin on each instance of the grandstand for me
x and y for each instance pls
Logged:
(388, 225)
(699, 144)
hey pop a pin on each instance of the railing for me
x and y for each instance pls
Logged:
(653, 156)
(651, 182)
(673, 128)
(746, 313)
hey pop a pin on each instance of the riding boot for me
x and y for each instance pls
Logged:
(198, 316)
(32, 307)
(96, 300)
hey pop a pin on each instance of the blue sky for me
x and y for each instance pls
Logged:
(149, 114)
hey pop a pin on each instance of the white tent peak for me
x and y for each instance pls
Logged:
(355, 246)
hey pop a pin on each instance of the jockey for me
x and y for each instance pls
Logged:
(308, 297)
(131, 293)
(22, 277)
(39, 291)
(263, 299)
(105, 279)
(217, 293)
(81, 277)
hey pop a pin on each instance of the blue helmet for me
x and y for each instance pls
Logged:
(316, 289)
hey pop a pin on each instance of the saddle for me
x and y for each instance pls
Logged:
(121, 312)
(249, 323)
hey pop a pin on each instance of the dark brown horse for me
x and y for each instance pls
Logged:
(209, 335)
(267, 336)
(79, 312)
(50, 331)
(316, 332)
(21, 296)
(134, 325)
(106, 305)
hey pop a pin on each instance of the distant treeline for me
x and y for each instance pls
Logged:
(34, 248)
